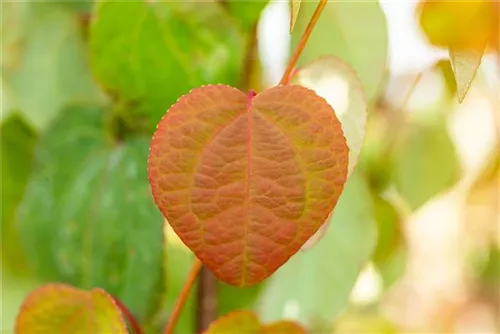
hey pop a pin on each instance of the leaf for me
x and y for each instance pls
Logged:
(246, 181)
(294, 12)
(59, 308)
(283, 327)
(44, 65)
(88, 218)
(150, 53)
(243, 322)
(247, 13)
(246, 322)
(464, 65)
(459, 25)
(354, 31)
(426, 162)
(17, 144)
(335, 81)
(315, 285)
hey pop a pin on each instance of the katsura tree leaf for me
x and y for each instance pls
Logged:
(148, 53)
(60, 308)
(246, 322)
(465, 65)
(17, 141)
(294, 12)
(460, 25)
(247, 13)
(283, 327)
(354, 31)
(44, 62)
(426, 161)
(245, 181)
(87, 218)
(335, 81)
(231, 298)
(314, 286)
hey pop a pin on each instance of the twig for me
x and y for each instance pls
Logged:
(206, 304)
(181, 300)
(300, 47)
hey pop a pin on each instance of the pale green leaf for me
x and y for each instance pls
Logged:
(464, 65)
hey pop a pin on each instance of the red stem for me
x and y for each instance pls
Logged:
(300, 47)
(128, 316)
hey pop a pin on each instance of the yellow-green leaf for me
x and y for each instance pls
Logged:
(465, 65)
(294, 12)
(241, 322)
(60, 308)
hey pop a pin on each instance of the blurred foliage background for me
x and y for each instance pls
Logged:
(414, 244)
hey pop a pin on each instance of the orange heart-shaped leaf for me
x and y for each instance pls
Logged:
(60, 308)
(244, 181)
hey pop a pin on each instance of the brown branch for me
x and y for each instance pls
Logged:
(303, 41)
(181, 300)
(206, 304)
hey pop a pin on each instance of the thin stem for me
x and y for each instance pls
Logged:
(300, 47)
(206, 303)
(128, 316)
(193, 274)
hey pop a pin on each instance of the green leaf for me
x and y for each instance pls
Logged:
(426, 162)
(44, 65)
(17, 144)
(59, 308)
(149, 53)
(247, 13)
(354, 31)
(230, 298)
(464, 65)
(88, 218)
(294, 12)
(315, 285)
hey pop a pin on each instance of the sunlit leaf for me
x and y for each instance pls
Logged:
(59, 308)
(426, 162)
(464, 65)
(148, 53)
(44, 61)
(354, 31)
(314, 286)
(245, 181)
(294, 12)
(17, 144)
(88, 218)
(243, 322)
(335, 81)
(459, 25)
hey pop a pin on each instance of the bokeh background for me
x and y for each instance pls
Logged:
(414, 245)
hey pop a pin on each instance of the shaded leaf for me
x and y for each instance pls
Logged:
(243, 322)
(59, 308)
(88, 218)
(426, 162)
(36, 81)
(17, 144)
(231, 298)
(464, 65)
(294, 12)
(247, 13)
(354, 31)
(150, 53)
(245, 201)
(314, 286)
(335, 81)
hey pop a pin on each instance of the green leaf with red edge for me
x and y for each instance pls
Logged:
(245, 181)
(294, 12)
(60, 308)
(246, 322)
